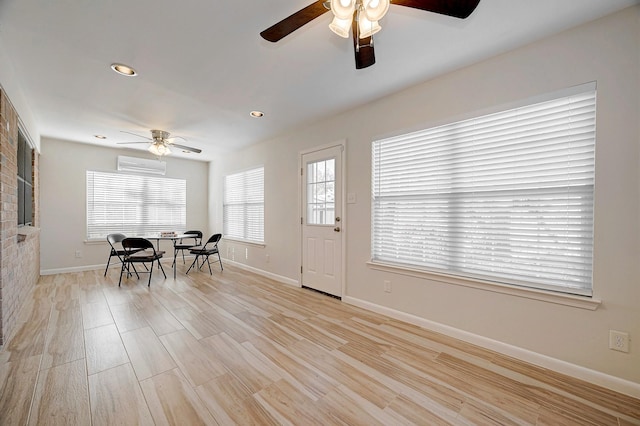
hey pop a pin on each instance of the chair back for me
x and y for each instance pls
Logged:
(134, 244)
(213, 240)
(197, 235)
(115, 238)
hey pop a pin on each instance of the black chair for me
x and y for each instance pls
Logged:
(115, 240)
(140, 250)
(210, 247)
(182, 246)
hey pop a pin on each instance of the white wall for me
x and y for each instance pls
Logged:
(606, 51)
(63, 167)
(12, 87)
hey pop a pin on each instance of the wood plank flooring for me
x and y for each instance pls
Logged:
(237, 348)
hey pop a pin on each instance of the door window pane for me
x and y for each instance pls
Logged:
(321, 192)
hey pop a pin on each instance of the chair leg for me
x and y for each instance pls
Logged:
(131, 265)
(175, 257)
(193, 263)
(209, 264)
(202, 264)
(220, 260)
(107, 268)
(161, 268)
(150, 273)
(121, 272)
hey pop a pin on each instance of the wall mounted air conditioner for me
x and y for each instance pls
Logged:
(141, 165)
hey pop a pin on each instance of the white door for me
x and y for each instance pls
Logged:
(321, 220)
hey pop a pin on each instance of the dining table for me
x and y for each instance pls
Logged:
(174, 238)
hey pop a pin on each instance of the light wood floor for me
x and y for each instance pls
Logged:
(237, 348)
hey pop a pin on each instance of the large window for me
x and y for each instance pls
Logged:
(506, 197)
(25, 181)
(243, 207)
(134, 205)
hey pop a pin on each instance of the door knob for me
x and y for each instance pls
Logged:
(337, 229)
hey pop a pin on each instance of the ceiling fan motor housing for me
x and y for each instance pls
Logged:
(159, 135)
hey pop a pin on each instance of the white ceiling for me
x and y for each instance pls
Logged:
(203, 66)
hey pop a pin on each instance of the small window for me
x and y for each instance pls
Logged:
(243, 206)
(24, 161)
(134, 205)
(506, 197)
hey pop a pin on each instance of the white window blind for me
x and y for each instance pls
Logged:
(243, 207)
(506, 197)
(134, 205)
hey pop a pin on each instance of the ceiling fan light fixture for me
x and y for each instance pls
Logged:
(159, 149)
(375, 9)
(343, 9)
(367, 28)
(341, 27)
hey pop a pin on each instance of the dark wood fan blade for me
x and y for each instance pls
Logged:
(186, 148)
(456, 8)
(293, 22)
(363, 48)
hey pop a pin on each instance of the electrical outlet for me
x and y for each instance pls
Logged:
(246, 253)
(268, 259)
(387, 286)
(78, 254)
(619, 341)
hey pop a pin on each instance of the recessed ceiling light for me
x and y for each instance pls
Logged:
(256, 114)
(100, 136)
(124, 70)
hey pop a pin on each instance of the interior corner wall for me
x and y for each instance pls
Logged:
(605, 51)
(11, 87)
(19, 257)
(63, 167)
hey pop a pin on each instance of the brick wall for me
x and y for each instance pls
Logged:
(19, 257)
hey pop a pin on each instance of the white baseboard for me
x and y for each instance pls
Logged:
(598, 378)
(113, 264)
(276, 277)
(71, 269)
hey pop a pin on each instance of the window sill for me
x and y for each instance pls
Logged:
(249, 243)
(581, 302)
(24, 232)
(95, 241)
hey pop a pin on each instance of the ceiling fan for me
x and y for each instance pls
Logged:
(361, 17)
(160, 143)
